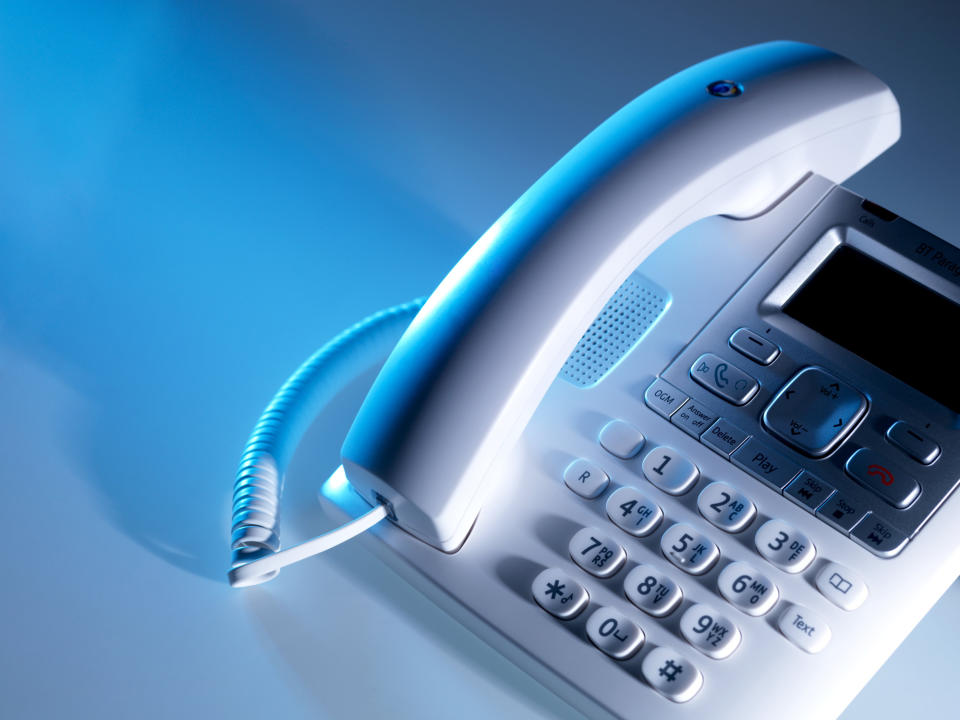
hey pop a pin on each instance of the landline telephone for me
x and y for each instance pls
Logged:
(659, 487)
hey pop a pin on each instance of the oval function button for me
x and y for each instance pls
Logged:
(614, 633)
(913, 442)
(841, 586)
(633, 511)
(747, 589)
(671, 674)
(724, 379)
(709, 632)
(652, 591)
(621, 439)
(585, 479)
(559, 594)
(876, 473)
(754, 346)
(725, 507)
(784, 546)
(597, 553)
(688, 549)
(804, 628)
(669, 470)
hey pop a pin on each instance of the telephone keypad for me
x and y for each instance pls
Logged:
(725, 507)
(585, 479)
(652, 591)
(671, 674)
(747, 589)
(633, 512)
(614, 633)
(708, 631)
(670, 471)
(621, 439)
(724, 379)
(559, 594)
(688, 549)
(784, 546)
(597, 553)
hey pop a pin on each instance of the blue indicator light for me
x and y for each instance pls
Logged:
(725, 88)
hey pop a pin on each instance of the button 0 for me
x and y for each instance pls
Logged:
(913, 442)
(724, 379)
(814, 412)
(614, 633)
(754, 346)
(875, 472)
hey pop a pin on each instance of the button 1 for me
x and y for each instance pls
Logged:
(765, 464)
(875, 473)
(614, 633)
(597, 553)
(559, 594)
(841, 512)
(724, 437)
(709, 632)
(633, 511)
(725, 507)
(804, 628)
(814, 412)
(784, 546)
(841, 586)
(621, 439)
(693, 418)
(671, 674)
(663, 398)
(688, 549)
(808, 491)
(652, 591)
(585, 479)
(723, 379)
(669, 470)
(913, 442)
(754, 346)
(878, 536)
(747, 589)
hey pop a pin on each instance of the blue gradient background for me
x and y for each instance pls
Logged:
(193, 196)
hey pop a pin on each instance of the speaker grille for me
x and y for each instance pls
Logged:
(624, 320)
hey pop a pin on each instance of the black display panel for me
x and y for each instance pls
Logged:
(887, 319)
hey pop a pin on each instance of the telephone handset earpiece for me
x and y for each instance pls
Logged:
(731, 136)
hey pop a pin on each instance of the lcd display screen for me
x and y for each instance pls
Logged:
(886, 318)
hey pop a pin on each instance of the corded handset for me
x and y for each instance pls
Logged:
(660, 486)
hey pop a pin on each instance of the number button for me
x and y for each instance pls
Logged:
(652, 591)
(671, 674)
(597, 553)
(669, 470)
(559, 594)
(726, 508)
(784, 546)
(747, 589)
(614, 633)
(689, 550)
(633, 511)
(709, 631)
(585, 479)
